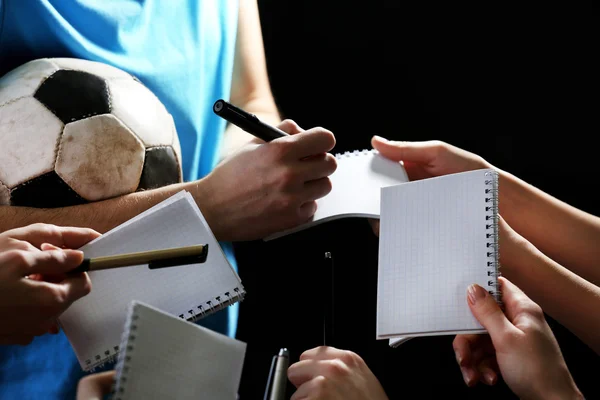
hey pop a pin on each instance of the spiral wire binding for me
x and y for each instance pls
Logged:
(192, 315)
(491, 221)
(127, 347)
(354, 153)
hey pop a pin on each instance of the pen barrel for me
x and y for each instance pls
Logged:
(279, 379)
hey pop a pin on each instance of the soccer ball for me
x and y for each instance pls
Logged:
(74, 131)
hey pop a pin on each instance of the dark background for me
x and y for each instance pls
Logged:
(517, 85)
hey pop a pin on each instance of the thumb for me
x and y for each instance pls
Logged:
(416, 152)
(51, 262)
(290, 126)
(487, 311)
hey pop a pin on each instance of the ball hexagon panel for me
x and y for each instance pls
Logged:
(99, 158)
(25, 80)
(93, 67)
(45, 191)
(29, 135)
(140, 110)
(4, 195)
(74, 95)
(161, 168)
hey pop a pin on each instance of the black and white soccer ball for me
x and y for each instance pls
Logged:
(75, 131)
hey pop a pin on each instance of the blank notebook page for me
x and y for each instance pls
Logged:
(94, 323)
(168, 358)
(355, 188)
(432, 246)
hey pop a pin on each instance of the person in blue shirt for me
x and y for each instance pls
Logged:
(189, 53)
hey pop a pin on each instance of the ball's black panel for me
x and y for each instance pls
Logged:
(160, 168)
(45, 191)
(74, 95)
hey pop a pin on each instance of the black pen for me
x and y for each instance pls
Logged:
(277, 382)
(246, 121)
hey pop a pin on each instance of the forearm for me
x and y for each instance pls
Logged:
(565, 233)
(567, 297)
(100, 216)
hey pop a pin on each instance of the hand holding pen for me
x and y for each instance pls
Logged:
(271, 186)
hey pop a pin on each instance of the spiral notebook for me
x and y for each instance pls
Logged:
(437, 236)
(165, 357)
(94, 323)
(355, 191)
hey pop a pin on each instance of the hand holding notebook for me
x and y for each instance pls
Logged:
(437, 237)
(93, 324)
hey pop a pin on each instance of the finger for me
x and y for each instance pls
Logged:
(61, 236)
(290, 126)
(462, 349)
(306, 211)
(310, 389)
(18, 339)
(48, 246)
(311, 142)
(515, 301)
(487, 311)
(374, 226)
(319, 166)
(470, 375)
(51, 261)
(322, 353)
(416, 152)
(74, 287)
(488, 371)
(303, 371)
(96, 386)
(316, 189)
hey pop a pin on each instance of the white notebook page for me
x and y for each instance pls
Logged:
(432, 246)
(94, 323)
(355, 190)
(165, 357)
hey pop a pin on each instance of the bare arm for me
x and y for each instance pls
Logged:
(566, 234)
(570, 299)
(250, 88)
(100, 216)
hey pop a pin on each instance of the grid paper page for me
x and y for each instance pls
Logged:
(432, 246)
(355, 188)
(94, 323)
(168, 358)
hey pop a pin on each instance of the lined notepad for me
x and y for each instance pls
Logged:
(165, 357)
(437, 237)
(94, 323)
(356, 186)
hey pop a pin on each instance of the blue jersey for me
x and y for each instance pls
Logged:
(183, 51)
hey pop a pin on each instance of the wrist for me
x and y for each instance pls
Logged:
(205, 196)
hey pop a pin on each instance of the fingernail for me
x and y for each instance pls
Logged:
(458, 357)
(466, 377)
(490, 377)
(475, 293)
(380, 138)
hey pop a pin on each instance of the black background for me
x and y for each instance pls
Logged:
(517, 85)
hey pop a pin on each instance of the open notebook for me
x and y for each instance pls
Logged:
(356, 185)
(165, 357)
(437, 236)
(94, 323)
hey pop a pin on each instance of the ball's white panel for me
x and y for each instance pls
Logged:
(99, 158)
(24, 80)
(93, 67)
(28, 137)
(4, 195)
(141, 111)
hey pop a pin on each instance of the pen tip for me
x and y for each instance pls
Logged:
(284, 352)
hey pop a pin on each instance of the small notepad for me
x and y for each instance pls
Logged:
(94, 323)
(165, 357)
(437, 236)
(355, 191)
